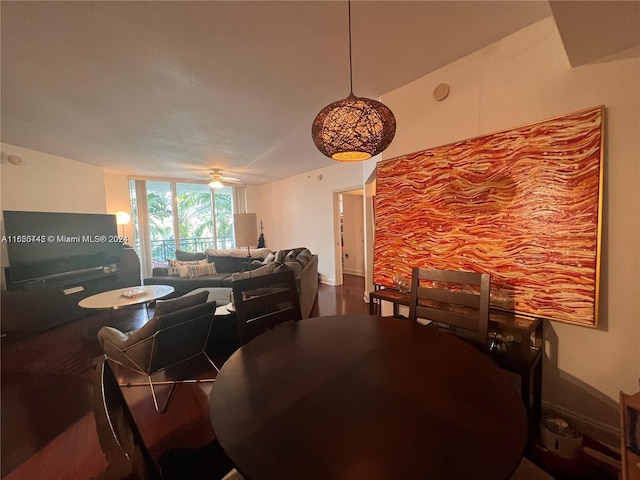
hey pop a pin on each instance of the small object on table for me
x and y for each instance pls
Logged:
(133, 292)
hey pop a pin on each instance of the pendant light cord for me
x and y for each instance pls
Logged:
(350, 62)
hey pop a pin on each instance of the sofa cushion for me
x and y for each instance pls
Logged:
(264, 270)
(189, 256)
(304, 257)
(184, 285)
(223, 264)
(291, 262)
(279, 256)
(295, 266)
(256, 253)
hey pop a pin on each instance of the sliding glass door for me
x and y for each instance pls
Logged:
(170, 216)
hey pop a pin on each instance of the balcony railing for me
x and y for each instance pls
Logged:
(163, 250)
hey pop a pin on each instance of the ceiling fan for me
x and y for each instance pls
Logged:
(217, 178)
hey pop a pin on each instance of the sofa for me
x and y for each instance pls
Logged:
(219, 268)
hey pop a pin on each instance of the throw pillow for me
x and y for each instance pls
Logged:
(174, 265)
(202, 270)
(304, 257)
(291, 255)
(183, 271)
(279, 256)
(189, 256)
(265, 270)
(295, 266)
(167, 306)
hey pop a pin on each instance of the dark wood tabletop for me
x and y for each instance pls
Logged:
(366, 397)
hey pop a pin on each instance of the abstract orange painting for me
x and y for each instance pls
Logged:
(524, 205)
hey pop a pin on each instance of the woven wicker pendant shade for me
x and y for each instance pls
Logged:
(355, 128)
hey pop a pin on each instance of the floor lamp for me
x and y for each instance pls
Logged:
(122, 218)
(245, 226)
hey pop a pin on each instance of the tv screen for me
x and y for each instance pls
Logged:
(44, 244)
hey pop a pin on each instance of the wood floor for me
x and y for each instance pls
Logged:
(48, 428)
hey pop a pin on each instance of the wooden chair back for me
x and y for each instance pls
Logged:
(630, 436)
(263, 302)
(455, 299)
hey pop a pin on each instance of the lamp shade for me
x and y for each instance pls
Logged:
(122, 218)
(353, 129)
(245, 227)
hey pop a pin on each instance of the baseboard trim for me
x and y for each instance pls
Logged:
(326, 280)
(603, 433)
(358, 273)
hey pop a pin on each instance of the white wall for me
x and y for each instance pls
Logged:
(298, 212)
(117, 198)
(525, 78)
(44, 182)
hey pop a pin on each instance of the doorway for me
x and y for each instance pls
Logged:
(349, 234)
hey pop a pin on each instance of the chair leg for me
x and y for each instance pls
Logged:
(211, 362)
(173, 386)
(155, 398)
(173, 383)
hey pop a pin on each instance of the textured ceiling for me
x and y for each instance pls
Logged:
(171, 89)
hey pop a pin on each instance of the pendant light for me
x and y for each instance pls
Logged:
(355, 128)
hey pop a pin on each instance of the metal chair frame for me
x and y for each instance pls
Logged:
(155, 364)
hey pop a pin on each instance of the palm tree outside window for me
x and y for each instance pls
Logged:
(185, 216)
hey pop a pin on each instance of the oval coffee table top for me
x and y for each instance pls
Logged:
(359, 396)
(114, 299)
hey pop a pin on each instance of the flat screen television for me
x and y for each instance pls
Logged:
(46, 244)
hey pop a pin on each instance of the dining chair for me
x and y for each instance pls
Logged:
(453, 300)
(120, 440)
(124, 448)
(178, 332)
(263, 302)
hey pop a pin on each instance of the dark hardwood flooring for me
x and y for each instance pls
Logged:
(48, 427)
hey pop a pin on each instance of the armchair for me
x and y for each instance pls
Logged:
(178, 332)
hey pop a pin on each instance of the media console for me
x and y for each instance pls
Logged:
(42, 305)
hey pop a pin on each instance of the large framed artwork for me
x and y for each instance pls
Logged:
(523, 204)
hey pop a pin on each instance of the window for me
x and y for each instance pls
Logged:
(169, 215)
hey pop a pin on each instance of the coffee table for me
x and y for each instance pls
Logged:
(113, 299)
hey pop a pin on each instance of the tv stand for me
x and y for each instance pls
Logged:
(42, 305)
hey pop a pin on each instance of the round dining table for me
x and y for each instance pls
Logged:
(366, 397)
